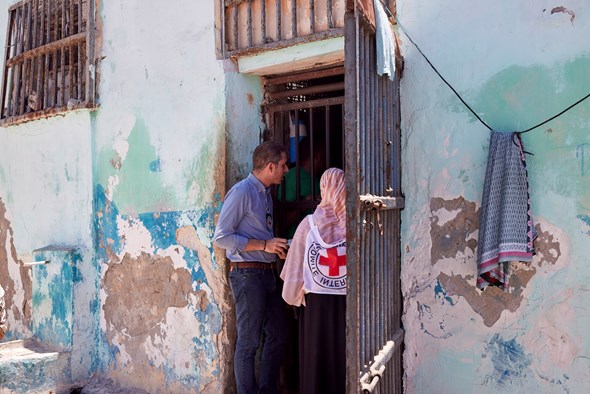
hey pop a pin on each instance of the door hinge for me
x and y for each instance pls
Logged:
(370, 378)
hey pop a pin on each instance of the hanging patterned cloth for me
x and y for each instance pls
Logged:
(506, 229)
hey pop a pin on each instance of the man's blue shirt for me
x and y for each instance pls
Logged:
(246, 214)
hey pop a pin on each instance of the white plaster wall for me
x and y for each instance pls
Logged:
(46, 186)
(160, 143)
(516, 63)
(244, 122)
(45, 180)
(159, 68)
(156, 144)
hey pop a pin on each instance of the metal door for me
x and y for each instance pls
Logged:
(372, 156)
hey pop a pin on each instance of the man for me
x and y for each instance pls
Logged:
(245, 231)
(2, 314)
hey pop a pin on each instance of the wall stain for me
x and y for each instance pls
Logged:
(441, 294)
(547, 249)
(562, 9)
(580, 153)
(116, 162)
(586, 220)
(217, 279)
(454, 235)
(510, 362)
(492, 301)
(21, 313)
(425, 313)
(140, 291)
(205, 293)
(107, 241)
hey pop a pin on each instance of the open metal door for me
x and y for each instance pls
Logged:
(374, 201)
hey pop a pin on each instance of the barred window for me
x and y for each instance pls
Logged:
(49, 59)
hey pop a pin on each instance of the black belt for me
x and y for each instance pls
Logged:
(252, 264)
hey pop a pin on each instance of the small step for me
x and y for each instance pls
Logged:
(28, 367)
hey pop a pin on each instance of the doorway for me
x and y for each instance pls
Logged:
(305, 113)
(352, 123)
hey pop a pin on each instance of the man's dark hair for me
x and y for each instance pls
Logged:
(267, 152)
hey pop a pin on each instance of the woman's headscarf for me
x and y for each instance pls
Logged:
(330, 215)
(330, 218)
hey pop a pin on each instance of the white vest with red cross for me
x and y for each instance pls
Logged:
(324, 265)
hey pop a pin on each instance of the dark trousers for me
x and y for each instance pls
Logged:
(259, 308)
(322, 344)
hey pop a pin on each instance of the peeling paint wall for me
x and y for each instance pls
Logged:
(516, 64)
(45, 199)
(135, 188)
(159, 175)
(245, 126)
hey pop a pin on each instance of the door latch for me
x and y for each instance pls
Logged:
(370, 378)
(369, 201)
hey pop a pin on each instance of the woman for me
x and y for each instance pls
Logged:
(315, 278)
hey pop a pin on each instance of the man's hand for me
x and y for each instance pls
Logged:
(278, 246)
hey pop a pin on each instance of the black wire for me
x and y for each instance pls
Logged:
(553, 117)
(444, 80)
(463, 101)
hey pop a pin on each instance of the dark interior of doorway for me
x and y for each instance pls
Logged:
(305, 113)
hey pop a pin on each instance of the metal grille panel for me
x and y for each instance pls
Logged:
(250, 26)
(373, 250)
(49, 47)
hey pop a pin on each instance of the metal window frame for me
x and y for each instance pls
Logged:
(42, 39)
(244, 26)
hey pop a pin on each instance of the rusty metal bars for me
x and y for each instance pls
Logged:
(6, 74)
(278, 13)
(304, 98)
(62, 52)
(80, 51)
(45, 5)
(91, 63)
(354, 306)
(373, 251)
(312, 16)
(263, 21)
(19, 48)
(294, 18)
(245, 24)
(49, 59)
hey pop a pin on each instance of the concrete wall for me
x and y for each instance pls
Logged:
(159, 176)
(516, 63)
(135, 187)
(45, 198)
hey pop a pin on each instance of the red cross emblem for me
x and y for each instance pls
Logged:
(333, 261)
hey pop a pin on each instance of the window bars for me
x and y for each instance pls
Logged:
(250, 26)
(49, 59)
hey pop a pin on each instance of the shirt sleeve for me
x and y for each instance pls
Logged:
(233, 209)
(292, 273)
